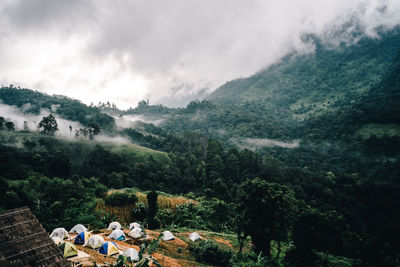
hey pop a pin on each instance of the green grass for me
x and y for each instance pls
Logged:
(133, 152)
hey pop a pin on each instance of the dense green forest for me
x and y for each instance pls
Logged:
(334, 196)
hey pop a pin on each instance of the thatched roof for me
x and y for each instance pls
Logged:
(24, 242)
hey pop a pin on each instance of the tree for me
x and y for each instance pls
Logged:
(152, 210)
(265, 212)
(26, 127)
(10, 126)
(316, 231)
(2, 122)
(94, 128)
(49, 124)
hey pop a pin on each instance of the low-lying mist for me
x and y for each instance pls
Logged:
(18, 117)
(127, 121)
(257, 143)
(66, 128)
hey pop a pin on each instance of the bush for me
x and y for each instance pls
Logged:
(139, 212)
(251, 259)
(208, 252)
(121, 199)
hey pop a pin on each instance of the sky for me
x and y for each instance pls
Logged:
(166, 51)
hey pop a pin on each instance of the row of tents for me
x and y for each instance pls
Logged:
(86, 238)
(108, 248)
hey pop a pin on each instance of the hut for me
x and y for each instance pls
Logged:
(24, 242)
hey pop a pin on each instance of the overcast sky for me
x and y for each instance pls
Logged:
(164, 51)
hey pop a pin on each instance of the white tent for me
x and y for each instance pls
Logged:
(78, 228)
(114, 226)
(136, 233)
(57, 240)
(167, 236)
(59, 232)
(132, 254)
(95, 241)
(134, 225)
(194, 236)
(117, 235)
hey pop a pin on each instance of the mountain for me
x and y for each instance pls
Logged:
(309, 85)
(333, 109)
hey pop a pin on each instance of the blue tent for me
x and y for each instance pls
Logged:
(82, 238)
(117, 235)
(109, 248)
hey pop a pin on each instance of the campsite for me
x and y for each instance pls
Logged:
(173, 252)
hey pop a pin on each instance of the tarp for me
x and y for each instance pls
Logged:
(82, 238)
(131, 254)
(136, 233)
(167, 236)
(114, 226)
(109, 248)
(78, 228)
(95, 241)
(68, 249)
(194, 236)
(134, 225)
(59, 232)
(117, 235)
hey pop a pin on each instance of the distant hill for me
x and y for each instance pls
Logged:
(71, 109)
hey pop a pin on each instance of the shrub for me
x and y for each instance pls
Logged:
(208, 252)
(121, 199)
(251, 259)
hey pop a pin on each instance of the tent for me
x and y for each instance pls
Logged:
(131, 254)
(167, 236)
(78, 228)
(95, 241)
(117, 235)
(59, 232)
(109, 248)
(134, 225)
(114, 226)
(194, 236)
(57, 240)
(136, 233)
(82, 238)
(68, 249)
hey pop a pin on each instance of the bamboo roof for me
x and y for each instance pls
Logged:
(24, 241)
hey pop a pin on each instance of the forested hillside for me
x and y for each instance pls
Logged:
(311, 143)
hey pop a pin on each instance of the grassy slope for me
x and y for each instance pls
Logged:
(130, 151)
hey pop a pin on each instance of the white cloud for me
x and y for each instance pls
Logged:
(167, 51)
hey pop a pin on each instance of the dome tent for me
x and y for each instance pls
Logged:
(134, 225)
(114, 226)
(109, 248)
(57, 240)
(82, 238)
(68, 249)
(136, 233)
(95, 241)
(60, 232)
(194, 236)
(78, 228)
(131, 254)
(167, 236)
(117, 235)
